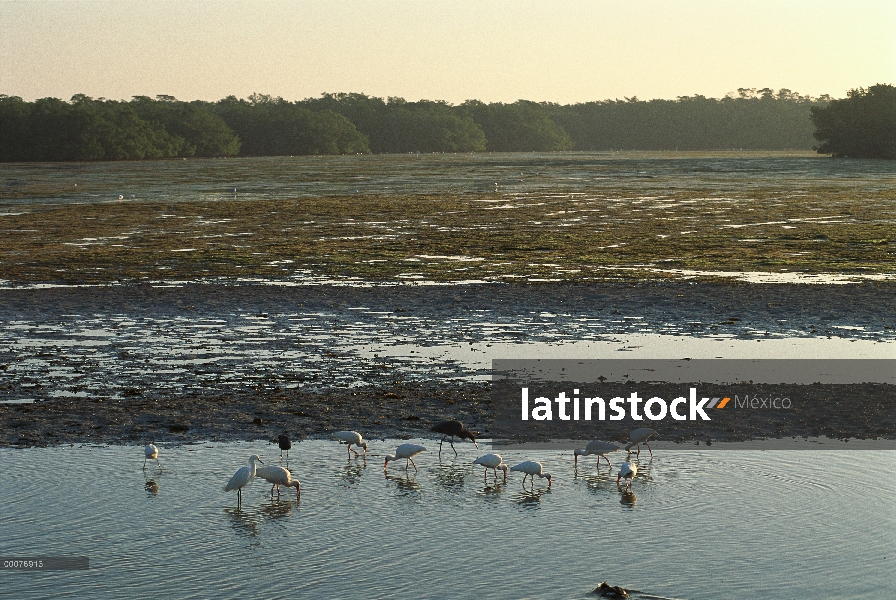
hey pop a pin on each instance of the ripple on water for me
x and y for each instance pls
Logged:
(696, 524)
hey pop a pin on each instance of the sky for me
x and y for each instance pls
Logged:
(493, 51)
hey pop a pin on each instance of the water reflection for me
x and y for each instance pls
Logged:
(407, 485)
(243, 522)
(627, 497)
(491, 493)
(596, 482)
(450, 475)
(351, 472)
(151, 485)
(277, 509)
(645, 473)
(530, 498)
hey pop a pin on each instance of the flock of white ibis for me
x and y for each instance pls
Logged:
(277, 476)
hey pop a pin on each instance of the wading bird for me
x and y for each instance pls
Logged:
(278, 476)
(407, 451)
(351, 438)
(638, 437)
(150, 451)
(454, 429)
(493, 462)
(531, 469)
(596, 447)
(627, 471)
(242, 477)
(285, 444)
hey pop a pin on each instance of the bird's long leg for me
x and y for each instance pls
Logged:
(413, 463)
(440, 445)
(239, 496)
(144, 464)
(648, 447)
(272, 489)
(348, 450)
(452, 446)
(607, 459)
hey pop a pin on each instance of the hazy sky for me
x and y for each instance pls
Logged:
(450, 50)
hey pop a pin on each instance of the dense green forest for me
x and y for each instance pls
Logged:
(863, 125)
(98, 129)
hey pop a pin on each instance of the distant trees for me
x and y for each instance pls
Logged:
(88, 129)
(863, 125)
(395, 125)
(519, 127)
(162, 127)
(275, 127)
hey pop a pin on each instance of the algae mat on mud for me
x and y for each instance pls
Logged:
(614, 233)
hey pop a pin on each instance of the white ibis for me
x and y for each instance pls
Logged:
(242, 477)
(351, 438)
(638, 437)
(278, 476)
(531, 469)
(601, 449)
(150, 451)
(493, 462)
(285, 444)
(407, 451)
(627, 471)
(455, 429)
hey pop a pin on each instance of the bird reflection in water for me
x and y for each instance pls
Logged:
(277, 509)
(151, 486)
(492, 492)
(531, 497)
(352, 471)
(595, 482)
(243, 522)
(407, 485)
(627, 497)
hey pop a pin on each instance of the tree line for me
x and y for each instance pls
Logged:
(85, 128)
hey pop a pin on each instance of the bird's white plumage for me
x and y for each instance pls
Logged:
(532, 468)
(351, 438)
(627, 471)
(639, 436)
(348, 437)
(277, 476)
(150, 451)
(406, 451)
(243, 476)
(492, 461)
(596, 447)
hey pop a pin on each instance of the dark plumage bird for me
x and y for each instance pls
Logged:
(454, 429)
(285, 444)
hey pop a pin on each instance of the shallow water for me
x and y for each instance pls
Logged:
(515, 173)
(116, 343)
(699, 524)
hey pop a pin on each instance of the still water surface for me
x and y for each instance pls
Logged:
(272, 178)
(698, 524)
